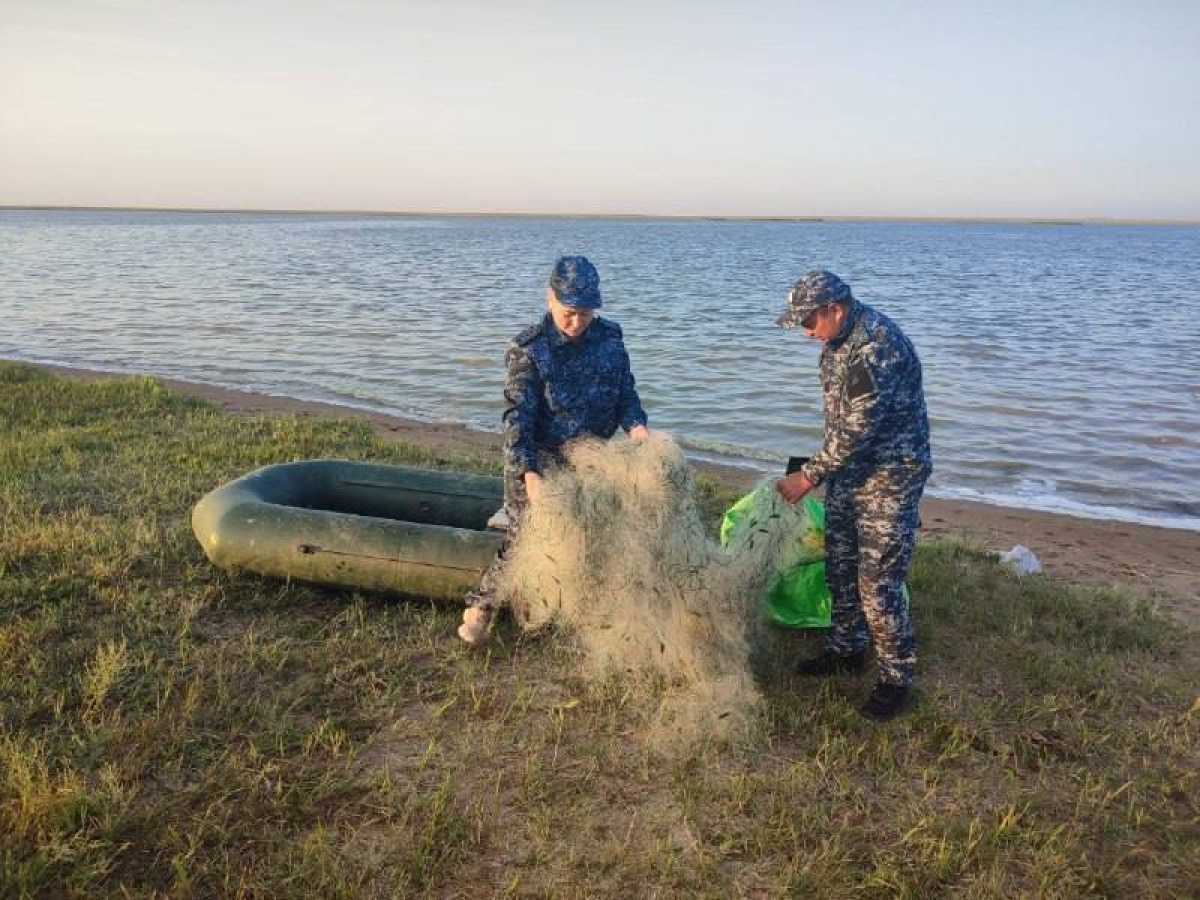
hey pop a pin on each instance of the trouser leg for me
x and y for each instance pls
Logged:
(886, 507)
(485, 596)
(848, 631)
(516, 501)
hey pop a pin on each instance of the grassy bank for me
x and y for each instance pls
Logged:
(169, 730)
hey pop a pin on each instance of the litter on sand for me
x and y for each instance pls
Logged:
(1021, 560)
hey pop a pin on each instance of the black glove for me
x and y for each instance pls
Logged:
(795, 462)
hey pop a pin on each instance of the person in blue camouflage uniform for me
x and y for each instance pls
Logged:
(874, 463)
(568, 377)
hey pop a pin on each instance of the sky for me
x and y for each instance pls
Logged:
(1055, 109)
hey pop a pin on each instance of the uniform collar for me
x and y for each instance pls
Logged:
(852, 317)
(556, 338)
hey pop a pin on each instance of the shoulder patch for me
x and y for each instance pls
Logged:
(859, 382)
(528, 335)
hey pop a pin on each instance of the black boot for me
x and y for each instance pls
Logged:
(886, 701)
(829, 663)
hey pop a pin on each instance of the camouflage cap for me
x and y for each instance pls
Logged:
(576, 282)
(816, 289)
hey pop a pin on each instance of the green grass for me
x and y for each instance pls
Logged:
(167, 729)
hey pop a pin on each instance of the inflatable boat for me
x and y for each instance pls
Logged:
(390, 528)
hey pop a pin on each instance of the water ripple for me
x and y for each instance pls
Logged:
(1047, 388)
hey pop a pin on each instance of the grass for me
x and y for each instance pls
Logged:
(169, 730)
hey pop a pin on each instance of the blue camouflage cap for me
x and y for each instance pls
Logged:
(816, 289)
(576, 282)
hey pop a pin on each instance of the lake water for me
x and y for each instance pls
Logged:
(1062, 362)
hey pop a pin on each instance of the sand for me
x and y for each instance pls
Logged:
(1159, 563)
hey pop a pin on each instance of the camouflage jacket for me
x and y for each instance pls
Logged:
(874, 402)
(557, 390)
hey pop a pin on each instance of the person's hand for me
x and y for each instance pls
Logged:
(533, 486)
(793, 487)
(639, 433)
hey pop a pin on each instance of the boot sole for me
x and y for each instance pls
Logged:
(905, 706)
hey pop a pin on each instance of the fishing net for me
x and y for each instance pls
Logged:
(799, 596)
(617, 551)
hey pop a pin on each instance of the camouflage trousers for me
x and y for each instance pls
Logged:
(485, 596)
(871, 520)
(516, 502)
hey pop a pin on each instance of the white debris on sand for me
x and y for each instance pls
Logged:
(1021, 560)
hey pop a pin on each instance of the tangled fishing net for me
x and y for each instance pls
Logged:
(618, 552)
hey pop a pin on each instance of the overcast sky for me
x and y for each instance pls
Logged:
(1052, 108)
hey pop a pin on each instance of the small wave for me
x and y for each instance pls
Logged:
(381, 223)
(476, 362)
(731, 452)
(1162, 440)
(1001, 409)
(1057, 504)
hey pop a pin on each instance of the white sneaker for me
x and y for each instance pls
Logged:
(476, 626)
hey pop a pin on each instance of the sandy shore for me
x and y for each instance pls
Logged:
(1162, 563)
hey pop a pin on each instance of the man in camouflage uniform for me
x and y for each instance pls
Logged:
(568, 377)
(874, 463)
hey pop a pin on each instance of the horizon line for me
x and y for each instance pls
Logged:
(1018, 220)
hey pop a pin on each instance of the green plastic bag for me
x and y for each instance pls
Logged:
(799, 597)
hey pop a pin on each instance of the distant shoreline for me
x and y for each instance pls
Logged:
(665, 217)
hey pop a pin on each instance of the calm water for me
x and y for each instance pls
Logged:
(1062, 363)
